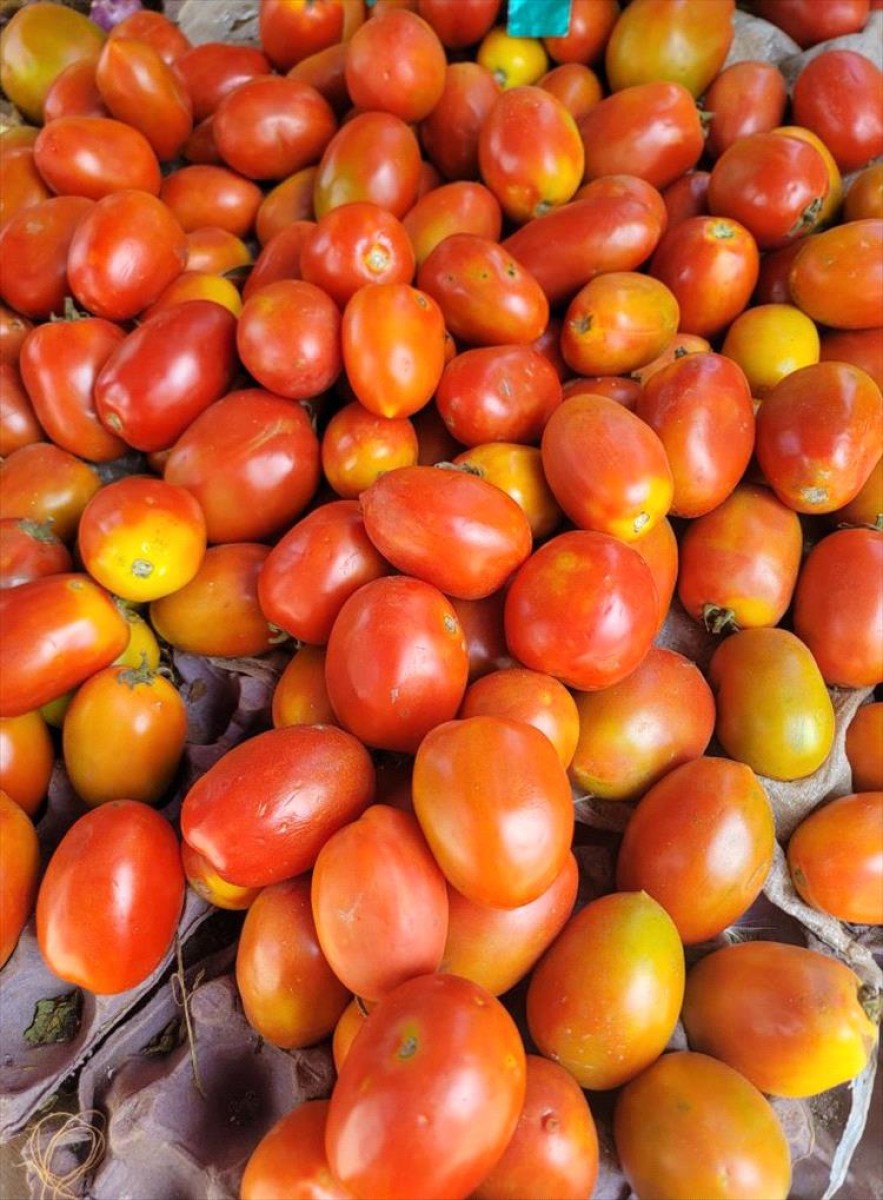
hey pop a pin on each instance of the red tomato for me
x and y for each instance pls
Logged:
(460, 207)
(14, 328)
(269, 127)
(575, 85)
(95, 156)
(141, 89)
(669, 39)
(446, 1068)
(529, 696)
(837, 278)
(279, 259)
(591, 23)
(42, 482)
(201, 196)
(659, 550)
(462, 24)
(35, 246)
(449, 134)
(686, 197)
(482, 624)
(730, 117)
(240, 815)
(289, 201)
(322, 560)
(835, 857)
(288, 337)
(839, 96)
(618, 322)
(864, 197)
(809, 23)
(861, 347)
(291, 1159)
(447, 527)
(395, 63)
(30, 550)
(353, 245)
(211, 70)
(289, 32)
(20, 863)
(582, 608)
(27, 759)
(216, 251)
(38, 42)
(375, 156)
(22, 184)
(74, 93)
(358, 446)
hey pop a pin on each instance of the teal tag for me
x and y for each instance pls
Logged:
(538, 18)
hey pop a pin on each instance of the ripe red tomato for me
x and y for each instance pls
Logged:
(270, 126)
(575, 85)
(42, 482)
(74, 93)
(289, 32)
(14, 328)
(591, 22)
(530, 696)
(29, 550)
(288, 337)
(835, 856)
(375, 156)
(729, 117)
(449, 134)
(395, 63)
(839, 96)
(459, 207)
(21, 182)
(686, 197)
(809, 23)
(212, 69)
(353, 245)
(864, 197)
(141, 89)
(110, 899)
(358, 446)
(206, 196)
(863, 740)
(861, 347)
(279, 259)
(446, 1068)
(35, 245)
(837, 277)
(498, 394)
(462, 24)
(19, 877)
(242, 806)
(291, 1158)
(27, 758)
(669, 39)
(618, 322)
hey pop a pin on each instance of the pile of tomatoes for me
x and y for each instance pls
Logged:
(451, 362)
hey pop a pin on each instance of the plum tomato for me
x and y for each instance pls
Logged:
(20, 874)
(835, 857)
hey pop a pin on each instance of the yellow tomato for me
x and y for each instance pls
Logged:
(513, 61)
(769, 342)
(142, 648)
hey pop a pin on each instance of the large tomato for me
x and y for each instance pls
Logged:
(729, 117)
(212, 69)
(458, 207)
(290, 1160)
(270, 126)
(439, 1063)
(288, 337)
(37, 44)
(110, 899)
(517, 470)
(837, 277)
(669, 39)
(838, 96)
(375, 156)
(835, 856)
(35, 245)
(529, 696)
(358, 446)
(41, 482)
(618, 322)
(95, 156)
(449, 134)
(142, 90)
(395, 63)
(20, 862)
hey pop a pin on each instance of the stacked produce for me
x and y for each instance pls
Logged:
(441, 626)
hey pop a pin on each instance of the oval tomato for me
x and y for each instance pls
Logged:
(212, 69)
(769, 341)
(618, 322)
(42, 482)
(141, 89)
(729, 117)
(591, 22)
(835, 857)
(809, 23)
(291, 1158)
(38, 42)
(529, 696)
(353, 245)
(22, 183)
(19, 426)
(358, 446)
(459, 207)
(838, 96)
(375, 156)
(20, 862)
(395, 63)
(30, 550)
(95, 156)
(518, 471)
(269, 127)
(863, 740)
(35, 245)
(837, 278)
(669, 39)
(449, 134)
(27, 758)
(864, 197)
(206, 196)
(498, 394)
(300, 696)
(288, 337)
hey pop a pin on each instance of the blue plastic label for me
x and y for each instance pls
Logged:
(538, 18)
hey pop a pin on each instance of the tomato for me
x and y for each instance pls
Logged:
(835, 857)
(529, 696)
(35, 245)
(449, 134)
(196, 285)
(396, 63)
(37, 43)
(864, 198)
(376, 882)
(240, 814)
(60, 363)
(290, 1160)
(838, 96)
(635, 732)
(317, 565)
(288, 337)
(730, 117)
(866, 507)
(27, 758)
(14, 328)
(201, 147)
(659, 550)
(652, 130)
(289, 993)
(530, 153)
(513, 61)
(289, 31)
(22, 184)
(269, 127)
(447, 527)
(624, 489)
(837, 278)
(167, 38)
(124, 252)
(149, 720)
(604, 998)
(809, 23)
(375, 156)
(711, 265)
(819, 434)
(216, 251)
(20, 862)
(482, 625)
(554, 1150)
(690, 1125)
(773, 710)
(209, 885)
(353, 245)
(863, 743)
(459, 207)
(438, 1063)
(209, 196)
(686, 197)
(29, 550)
(775, 186)
(669, 40)
(518, 471)
(462, 24)
(739, 563)
(582, 608)
(142, 648)
(769, 341)
(680, 344)
(496, 947)
(217, 612)
(793, 1021)
(42, 482)
(95, 157)
(210, 70)
(618, 322)
(591, 23)
(393, 343)
(289, 201)
(142, 90)
(830, 209)
(397, 664)
(74, 93)
(358, 446)
(838, 607)
(351, 1021)
(300, 696)
(279, 259)
(575, 85)
(486, 296)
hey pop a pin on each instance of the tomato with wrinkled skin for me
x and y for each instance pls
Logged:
(217, 613)
(864, 737)
(769, 341)
(497, 947)
(554, 1149)
(289, 30)
(618, 322)
(35, 245)
(110, 899)
(529, 696)
(669, 40)
(690, 1125)
(635, 732)
(358, 446)
(29, 550)
(652, 130)
(773, 710)
(819, 433)
(141, 89)
(730, 117)
(42, 482)
(19, 873)
(838, 607)
(518, 471)
(38, 42)
(700, 407)
(447, 527)
(793, 1021)
(60, 362)
(288, 338)
(395, 63)
(375, 156)
(837, 278)
(290, 1160)
(606, 467)
(74, 93)
(19, 426)
(290, 995)
(354, 245)
(458, 207)
(392, 700)
(838, 96)
(449, 134)
(270, 126)
(739, 563)
(300, 696)
(393, 345)
(318, 564)
(604, 999)
(263, 811)
(209, 196)
(439, 1062)
(210, 70)
(27, 758)
(95, 157)
(835, 857)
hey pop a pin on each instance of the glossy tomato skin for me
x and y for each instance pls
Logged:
(57, 631)
(690, 1124)
(837, 279)
(730, 117)
(396, 63)
(357, 165)
(19, 426)
(863, 736)
(459, 207)
(35, 244)
(376, 883)
(770, 341)
(110, 899)
(317, 565)
(22, 184)
(441, 1048)
(358, 446)
(604, 999)
(528, 696)
(246, 802)
(289, 32)
(517, 470)
(353, 245)
(391, 700)
(300, 696)
(95, 156)
(204, 196)
(671, 846)
(147, 25)
(861, 347)
(270, 126)
(291, 1158)
(618, 322)
(791, 1020)
(27, 758)
(142, 90)
(14, 328)
(42, 482)
(29, 550)
(20, 860)
(808, 23)
(498, 394)
(835, 857)
(669, 39)
(288, 338)
(497, 845)
(447, 527)
(838, 606)
(449, 134)
(251, 460)
(212, 69)
(279, 259)
(36, 46)
(864, 196)
(837, 95)
(290, 995)
(459, 25)
(659, 550)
